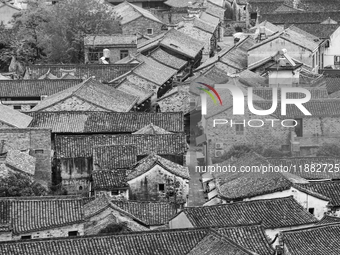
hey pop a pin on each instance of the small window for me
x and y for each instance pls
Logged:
(161, 187)
(73, 233)
(26, 237)
(311, 210)
(149, 31)
(124, 54)
(39, 151)
(80, 187)
(336, 60)
(239, 129)
(17, 107)
(114, 192)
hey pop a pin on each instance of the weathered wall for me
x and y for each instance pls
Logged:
(145, 187)
(56, 232)
(39, 143)
(333, 50)
(141, 25)
(115, 53)
(73, 104)
(180, 221)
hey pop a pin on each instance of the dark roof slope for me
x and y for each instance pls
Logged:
(82, 146)
(150, 213)
(321, 240)
(267, 93)
(115, 156)
(34, 88)
(106, 122)
(104, 73)
(108, 180)
(323, 31)
(272, 213)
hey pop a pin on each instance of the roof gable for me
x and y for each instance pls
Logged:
(151, 129)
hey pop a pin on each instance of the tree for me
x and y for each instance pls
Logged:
(55, 34)
(17, 185)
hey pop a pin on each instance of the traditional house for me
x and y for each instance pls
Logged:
(157, 179)
(176, 100)
(7, 11)
(218, 8)
(38, 142)
(102, 73)
(142, 242)
(240, 11)
(146, 76)
(89, 95)
(275, 215)
(23, 95)
(179, 45)
(202, 31)
(119, 46)
(134, 19)
(74, 154)
(44, 217)
(158, 4)
(323, 239)
(265, 29)
(301, 47)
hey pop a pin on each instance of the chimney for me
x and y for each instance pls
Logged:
(262, 34)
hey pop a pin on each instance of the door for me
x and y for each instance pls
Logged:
(298, 127)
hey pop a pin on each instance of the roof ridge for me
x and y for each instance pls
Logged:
(311, 227)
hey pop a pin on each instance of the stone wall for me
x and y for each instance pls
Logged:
(39, 142)
(73, 104)
(145, 187)
(56, 232)
(141, 25)
(266, 136)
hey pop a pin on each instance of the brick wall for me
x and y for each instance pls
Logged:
(39, 142)
(145, 187)
(115, 53)
(74, 104)
(266, 136)
(56, 232)
(141, 25)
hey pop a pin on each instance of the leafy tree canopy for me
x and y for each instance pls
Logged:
(17, 185)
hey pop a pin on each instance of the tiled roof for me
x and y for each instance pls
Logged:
(209, 18)
(251, 237)
(176, 99)
(270, 28)
(302, 161)
(197, 34)
(319, 30)
(329, 189)
(236, 186)
(168, 59)
(95, 40)
(286, 8)
(181, 43)
(326, 107)
(5, 215)
(323, 239)
(299, 17)
(327, 219)
(332, 84)
(215, 9)
(21, 161)
(109, 179)
(33, 214)
(104, 73)
(319, 5)
(252, 79)
(150, 70)
(272, 213)
(145, 164)
(216, 244)
(127, 12)
(114, 156)
(267, 93)
(81, 146)
(150, 213)
(178, 3)
(34, 88)
(204, 25)
(151, 129)
(95, 93)
(264, 6)
(133, 89)
(106, 122)
(13, 117)
(169, 242)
